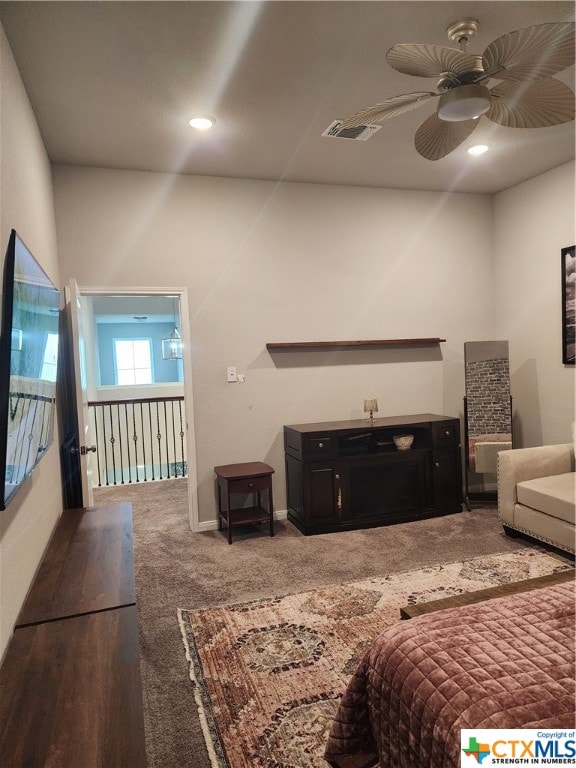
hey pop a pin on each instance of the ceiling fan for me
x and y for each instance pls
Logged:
(511, 83)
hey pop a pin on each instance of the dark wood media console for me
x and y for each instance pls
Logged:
(349, 474)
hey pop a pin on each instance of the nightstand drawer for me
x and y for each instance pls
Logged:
(250, 484)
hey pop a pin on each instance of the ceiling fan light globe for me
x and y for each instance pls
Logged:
(464, 102)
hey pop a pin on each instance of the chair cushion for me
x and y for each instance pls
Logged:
(553, 495)
(487, 455)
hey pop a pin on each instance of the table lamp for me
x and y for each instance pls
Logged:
(371, 406)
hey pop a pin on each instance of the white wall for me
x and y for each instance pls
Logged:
(532, 223)
(290, 262)
(26, 206)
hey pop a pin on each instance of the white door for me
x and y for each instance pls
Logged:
(86, 444)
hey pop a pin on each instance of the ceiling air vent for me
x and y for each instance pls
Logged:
(360, 133)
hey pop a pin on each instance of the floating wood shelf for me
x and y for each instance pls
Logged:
(357, 343)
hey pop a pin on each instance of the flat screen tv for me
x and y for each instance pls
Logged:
(28, 365)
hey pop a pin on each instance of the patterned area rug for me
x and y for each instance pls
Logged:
(268, 674)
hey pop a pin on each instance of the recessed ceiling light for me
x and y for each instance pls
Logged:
(478, 149)
(202, 123)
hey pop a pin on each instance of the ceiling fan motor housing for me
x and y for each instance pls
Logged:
(465, 102)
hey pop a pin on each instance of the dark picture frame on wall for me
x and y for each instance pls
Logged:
(569, 305)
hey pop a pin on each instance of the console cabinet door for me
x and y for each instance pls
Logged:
(323, 493)
(447, 474)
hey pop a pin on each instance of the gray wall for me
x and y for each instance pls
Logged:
(28, 207)
(267, 262)
(532, 223)
(298, 262)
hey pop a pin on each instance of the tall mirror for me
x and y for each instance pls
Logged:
(487, 416)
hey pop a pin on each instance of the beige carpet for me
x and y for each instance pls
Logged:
(176, 568)
(267, 675)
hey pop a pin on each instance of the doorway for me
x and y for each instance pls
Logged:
(139, 422)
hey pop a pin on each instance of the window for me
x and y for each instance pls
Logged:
(133, 361)
(50, 358)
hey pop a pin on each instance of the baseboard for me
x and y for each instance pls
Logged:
(212, 525)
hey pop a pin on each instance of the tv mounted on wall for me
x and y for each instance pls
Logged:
(28, 365)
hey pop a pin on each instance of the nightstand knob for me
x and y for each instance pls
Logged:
(250, 485)
(320, 445)
(437, 465)
(447, 433)
(337, 477)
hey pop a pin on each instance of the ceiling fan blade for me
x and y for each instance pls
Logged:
(531, 105)
(532, 53)
(396, 105)
(436, 138)
(423, 60)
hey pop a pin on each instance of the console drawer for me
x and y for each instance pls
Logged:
(446, 433)
(320, 445)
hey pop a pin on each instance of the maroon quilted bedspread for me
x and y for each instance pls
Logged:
(503, 663)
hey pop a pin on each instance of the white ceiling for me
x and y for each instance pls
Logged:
(112, 85)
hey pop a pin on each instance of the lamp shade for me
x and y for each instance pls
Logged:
(371, 406)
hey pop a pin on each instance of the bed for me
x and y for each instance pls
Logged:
(502, 663)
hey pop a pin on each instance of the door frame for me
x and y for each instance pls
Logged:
(182, 293)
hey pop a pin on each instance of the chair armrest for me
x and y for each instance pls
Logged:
(521, 464)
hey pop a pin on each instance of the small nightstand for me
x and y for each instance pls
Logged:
(249, 478)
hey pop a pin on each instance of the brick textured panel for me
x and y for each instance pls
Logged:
(488, 397)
